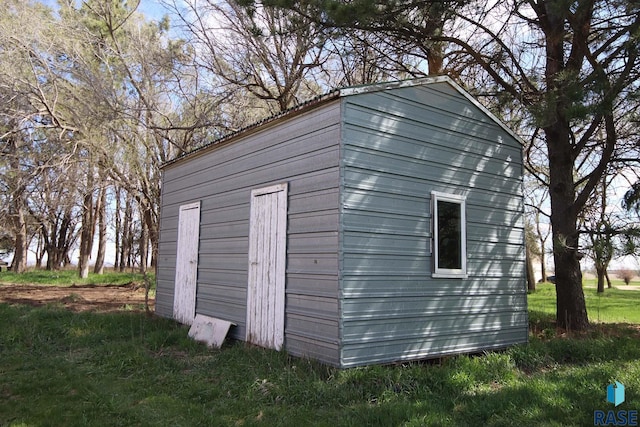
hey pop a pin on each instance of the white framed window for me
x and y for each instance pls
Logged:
(449, 235)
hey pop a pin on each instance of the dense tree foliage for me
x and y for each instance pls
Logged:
(99, 98)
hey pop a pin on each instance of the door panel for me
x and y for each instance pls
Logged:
(184, 300)
(267, 262)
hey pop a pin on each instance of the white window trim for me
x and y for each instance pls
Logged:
(449, 273)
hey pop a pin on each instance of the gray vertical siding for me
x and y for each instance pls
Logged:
(301, 150)
(398, 146)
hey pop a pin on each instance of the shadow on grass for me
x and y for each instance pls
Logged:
(129, 369)
(560, 397)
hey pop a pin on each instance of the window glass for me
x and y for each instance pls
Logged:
(449, 238)
(449, 235)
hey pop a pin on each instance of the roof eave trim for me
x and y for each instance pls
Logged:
(356, 90)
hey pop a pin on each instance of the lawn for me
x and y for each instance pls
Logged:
(121, 369)
(618, 304)
(69, 278)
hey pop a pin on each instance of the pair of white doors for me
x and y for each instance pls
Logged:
(266, 269)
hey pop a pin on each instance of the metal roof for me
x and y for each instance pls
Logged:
(336, 94)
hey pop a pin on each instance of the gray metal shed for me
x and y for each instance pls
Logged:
(373, 224)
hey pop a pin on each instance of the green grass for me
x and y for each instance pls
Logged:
(614, 305)
(121, 369)
(69, 278)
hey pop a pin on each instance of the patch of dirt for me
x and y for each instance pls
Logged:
(102, 298)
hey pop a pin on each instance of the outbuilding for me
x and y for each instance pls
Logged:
(373, 224)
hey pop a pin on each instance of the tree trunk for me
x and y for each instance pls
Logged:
(152, 229)
(118, 228)
(125, 252)
(19, 263)
(58, 240)
(531, 279)
(571, 308)
(39, 250)
(600, 273)
(46, 237)
(606, 275)
(87, 234)
(54, 256)
(17, 205)
(435, 59)
(144, 242)
(101, 213)
(66, 238)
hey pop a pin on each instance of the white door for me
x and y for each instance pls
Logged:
(184, 299)
(267, 259)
